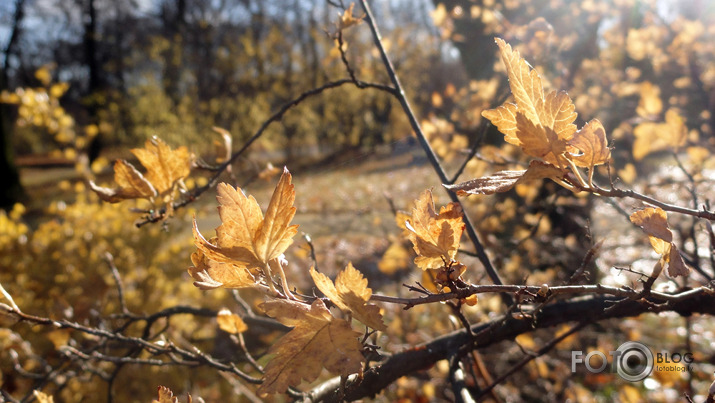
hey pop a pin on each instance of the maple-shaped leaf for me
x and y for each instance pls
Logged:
(229, 322)
(165, 168)
(317, 340)
(435, 237)
(592, 144)
(245, 237)
(654, 222)
(351, 294)
(541, 125)
(505, 180)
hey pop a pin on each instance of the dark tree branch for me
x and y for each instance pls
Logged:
(425, 355)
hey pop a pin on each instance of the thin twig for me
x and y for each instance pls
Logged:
(120, 288)
(429, 152)
(530, 357)
(276, 116)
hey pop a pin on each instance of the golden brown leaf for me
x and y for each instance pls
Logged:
(210, 274)
(347, 20)
(540, 125)
(230, 322)
(164, 166)
(435, 237)
(245, 237)
(505, 180)
(676, 265)
(592, 144)
(654, 222)
(131, 185)
(350, 294)
(318, 340)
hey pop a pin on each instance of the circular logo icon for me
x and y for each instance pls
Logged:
(634, 361)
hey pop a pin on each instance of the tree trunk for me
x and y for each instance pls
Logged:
(11, 188)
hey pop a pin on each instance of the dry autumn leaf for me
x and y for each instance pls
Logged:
(654, 222)
(245, 237)
(209, 274)
(165, 169)
(505, 180)
(317, 340)
(540, 125)
(351, 294)
(435, 236)
(131, 185)
(347, 20)
(592, 144)
(229, 322)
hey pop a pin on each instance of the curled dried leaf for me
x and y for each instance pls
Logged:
(131, 185)
(505, 180)
(591, 142)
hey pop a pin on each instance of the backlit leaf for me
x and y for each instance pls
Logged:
(435, 236)
(132, 185)
(217, 272)
(317, 340)
(592, 144)
(351, 294)
(676, 265)
(246, 240)
(654, 222)
(164, 166)
(540, 125)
